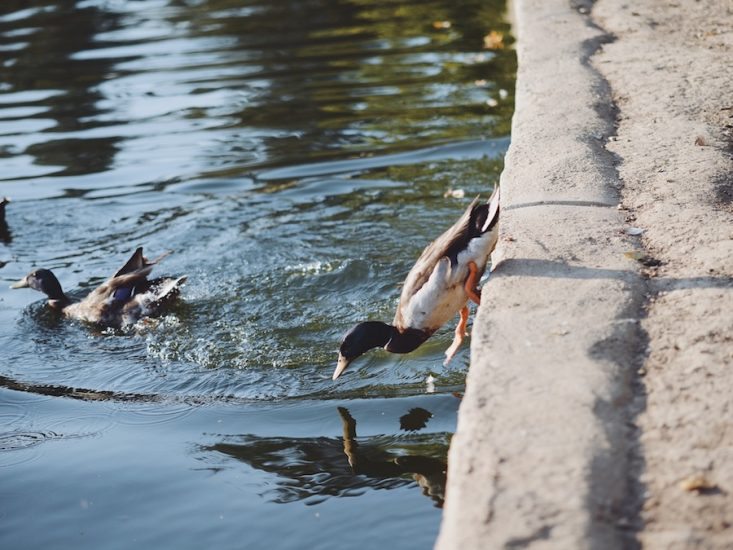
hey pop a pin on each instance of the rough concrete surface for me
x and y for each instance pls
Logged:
(599, 404)
(670, 70)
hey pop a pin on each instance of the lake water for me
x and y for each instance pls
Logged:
(295, 157)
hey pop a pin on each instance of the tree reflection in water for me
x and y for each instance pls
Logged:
(314, 469)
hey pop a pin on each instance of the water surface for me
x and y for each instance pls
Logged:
(295, 157)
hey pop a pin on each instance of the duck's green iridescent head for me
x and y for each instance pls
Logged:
(359, 340)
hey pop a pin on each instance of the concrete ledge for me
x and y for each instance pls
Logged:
(540, 454)
(597, 410)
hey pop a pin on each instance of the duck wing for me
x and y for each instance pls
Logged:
(138, 262)
(434, 290)
(117, 290)
(130, 279)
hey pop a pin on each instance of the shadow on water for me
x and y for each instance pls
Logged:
(295, 157)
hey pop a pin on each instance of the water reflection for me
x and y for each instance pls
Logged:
(53, 97)
(314, 469)
(375, 461)
(219, 90)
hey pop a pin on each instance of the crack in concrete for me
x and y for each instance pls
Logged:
(543, 533)
(532, 204)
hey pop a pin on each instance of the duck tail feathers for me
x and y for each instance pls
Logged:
(493, 214)
(167, 288)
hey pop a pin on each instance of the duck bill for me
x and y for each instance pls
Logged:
(343, 362)
(23, 283)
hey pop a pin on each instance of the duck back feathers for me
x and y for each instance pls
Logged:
(433, 291)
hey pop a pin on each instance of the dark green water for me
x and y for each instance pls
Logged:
(294, 156)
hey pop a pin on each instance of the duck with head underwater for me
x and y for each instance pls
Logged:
(121, 300)
(438, 286)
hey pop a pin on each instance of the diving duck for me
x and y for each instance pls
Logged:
(439, 285)
(121, 300)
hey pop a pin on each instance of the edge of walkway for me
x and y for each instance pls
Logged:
(542, 449)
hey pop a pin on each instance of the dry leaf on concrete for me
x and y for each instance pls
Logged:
(697, 483)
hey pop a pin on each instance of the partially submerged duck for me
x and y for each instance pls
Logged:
(121, 300)
(4, 230)
(440, 284)
(3, 202)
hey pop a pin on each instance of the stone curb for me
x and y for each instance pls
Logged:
(540, 456)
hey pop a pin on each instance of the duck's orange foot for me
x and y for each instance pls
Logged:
(470, 285)
(459, 336)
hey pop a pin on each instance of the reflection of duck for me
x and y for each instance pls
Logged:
(312, 469)
(415, 419)
(429, 472)
(121, 300)
(439, 285)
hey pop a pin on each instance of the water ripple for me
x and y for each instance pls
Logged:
(293, 155)
(22, 440)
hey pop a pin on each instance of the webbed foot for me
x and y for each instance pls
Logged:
(459, 336)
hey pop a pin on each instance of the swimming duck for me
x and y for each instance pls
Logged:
(439, 285)
(121, 300)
